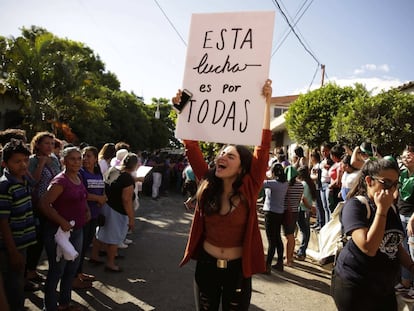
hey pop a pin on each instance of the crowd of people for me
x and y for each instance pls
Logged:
(64, 199)
(376, 263)
(75, 203)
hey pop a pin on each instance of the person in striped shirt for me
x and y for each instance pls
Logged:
(17, 227)
(293, 198)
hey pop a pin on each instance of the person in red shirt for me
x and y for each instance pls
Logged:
(225, 237)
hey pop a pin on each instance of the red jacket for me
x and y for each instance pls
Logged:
(253, 254)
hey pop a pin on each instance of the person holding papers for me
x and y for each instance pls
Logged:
(225, 238)
(64, 201)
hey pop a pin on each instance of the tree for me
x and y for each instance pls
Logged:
(309, 118)
(54, 78)
(128, 120)
(63, 87)
(385, 119)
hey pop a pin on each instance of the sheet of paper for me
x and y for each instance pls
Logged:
(227, 64)
(143, 170)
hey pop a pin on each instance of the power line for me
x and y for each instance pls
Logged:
(314, 75)
(294, 25)
(294, 31)
(171, 23)
(297, 28)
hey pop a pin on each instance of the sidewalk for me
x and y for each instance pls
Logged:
(152, 279)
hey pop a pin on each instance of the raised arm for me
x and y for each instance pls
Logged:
(261, 153)
(193, 151)
(267, 93)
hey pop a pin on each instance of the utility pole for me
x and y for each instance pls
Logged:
(323, 74)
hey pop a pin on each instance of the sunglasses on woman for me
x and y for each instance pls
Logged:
(386, 183)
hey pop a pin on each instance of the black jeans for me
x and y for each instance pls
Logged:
(351, 297)
(226, 285)
(89, 231)
(34, 252)
(273, 224)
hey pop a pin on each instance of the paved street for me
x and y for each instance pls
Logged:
(152, 279)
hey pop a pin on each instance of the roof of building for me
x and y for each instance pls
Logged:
(405, 86)
(283, 101)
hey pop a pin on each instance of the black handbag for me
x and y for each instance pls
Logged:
(101, 220)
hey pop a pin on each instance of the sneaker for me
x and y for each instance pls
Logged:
(401, 289)
(268, 270)
(31, 286)
(300, 257)
(409, 296)
(278, 266)
(128, 241)
(122, 245)
(81, 284)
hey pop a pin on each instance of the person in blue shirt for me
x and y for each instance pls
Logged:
(275, 189)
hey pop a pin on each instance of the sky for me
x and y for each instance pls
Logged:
(144, 42)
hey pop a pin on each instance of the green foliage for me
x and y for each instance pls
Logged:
(128, 120)
(309, 118)
(210, 150)
(385, 119)
(62, 86)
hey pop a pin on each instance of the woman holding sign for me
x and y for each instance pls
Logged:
(225, 238)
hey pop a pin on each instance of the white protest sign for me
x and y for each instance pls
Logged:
(227, 64)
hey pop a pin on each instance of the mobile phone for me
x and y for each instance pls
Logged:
(185, 98)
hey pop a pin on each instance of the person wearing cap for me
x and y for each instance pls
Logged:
(120, 154)
(292, 200)
(405, 205)
(361, 154)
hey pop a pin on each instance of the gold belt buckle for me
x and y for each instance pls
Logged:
(222, 263)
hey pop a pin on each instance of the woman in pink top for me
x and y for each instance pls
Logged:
(225, 237)
(335, 174)
(65, 200)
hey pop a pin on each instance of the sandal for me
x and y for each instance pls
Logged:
(70, 308)
(95, 262)
(30, 286)
(87, 277)
(115, 270)
(39, 278)
(81, 284)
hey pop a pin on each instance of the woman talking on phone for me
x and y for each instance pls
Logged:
(369, 265)
(225, 238)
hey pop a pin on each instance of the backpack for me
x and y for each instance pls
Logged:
(332, 239)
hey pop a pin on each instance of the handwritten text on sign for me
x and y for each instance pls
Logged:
(227, 63)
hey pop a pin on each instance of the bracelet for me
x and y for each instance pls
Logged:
(382, 215)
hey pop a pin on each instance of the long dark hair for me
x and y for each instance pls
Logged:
(211, 189)
(95, 152)
(279, 172)
(371, 168)
(303, 174)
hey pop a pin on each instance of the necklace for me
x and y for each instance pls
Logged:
(75, 179)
